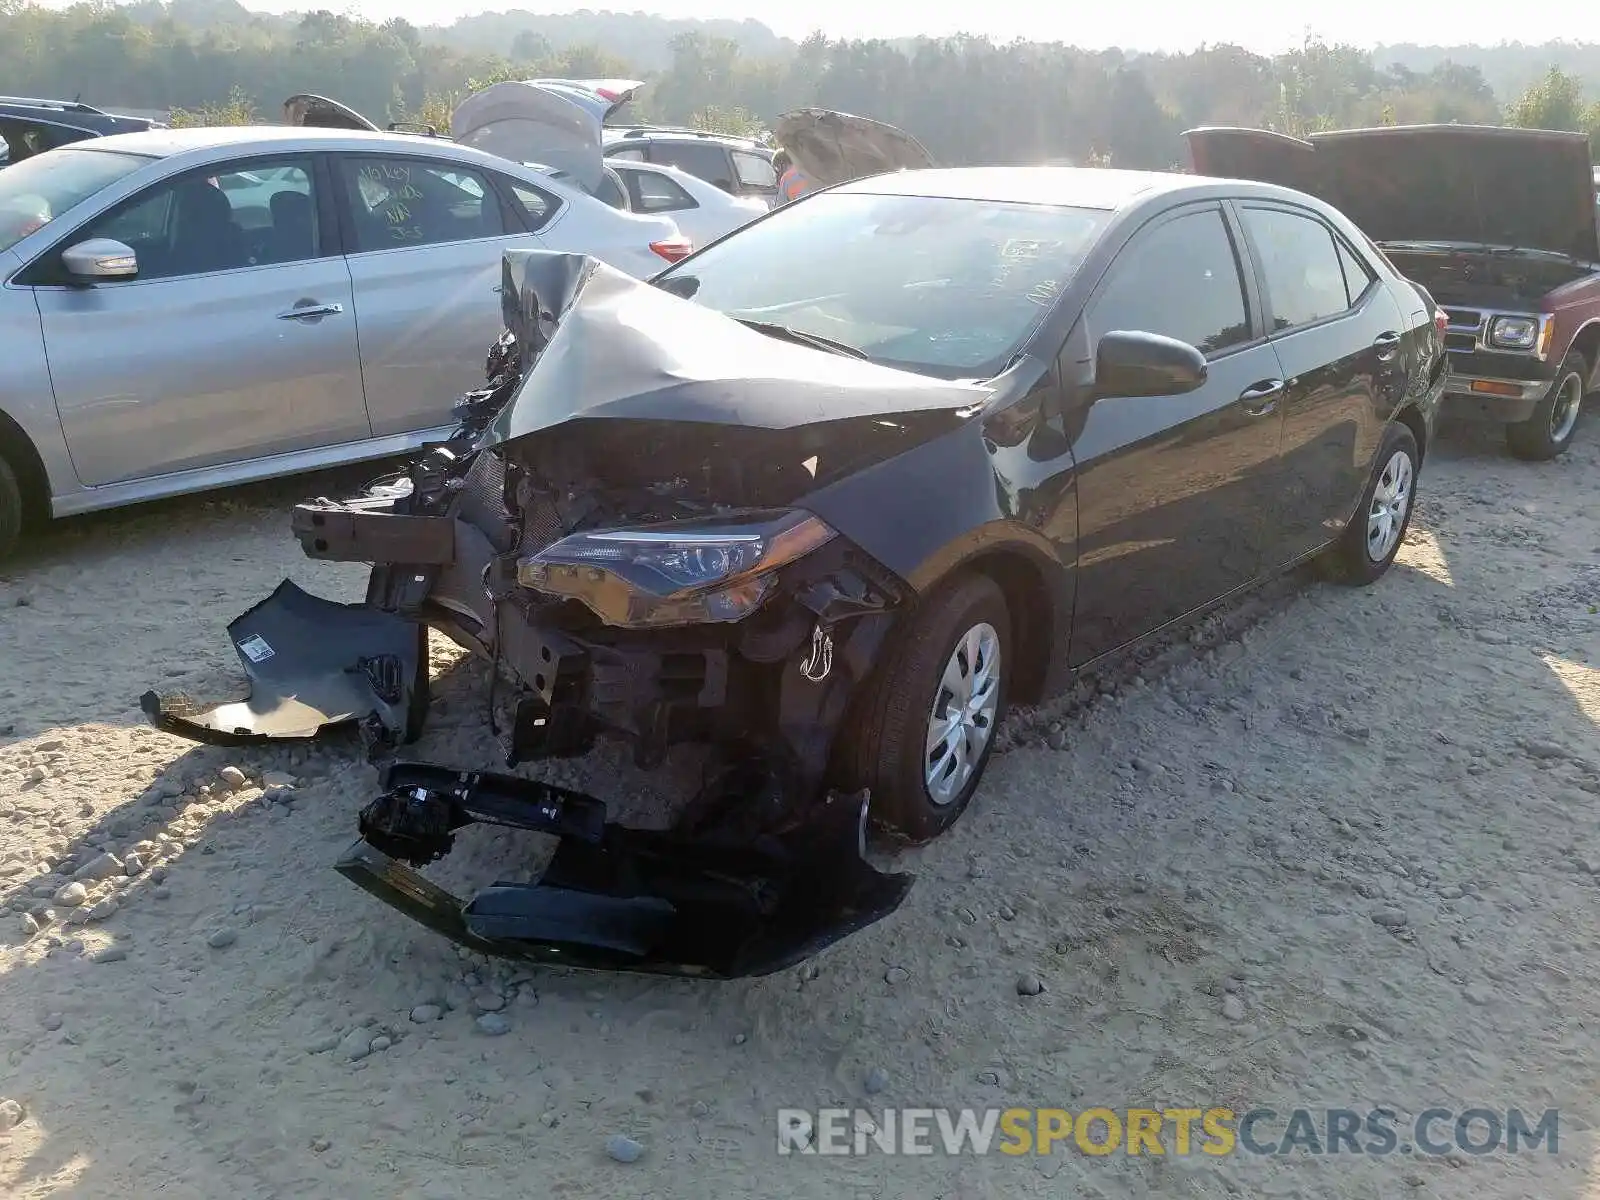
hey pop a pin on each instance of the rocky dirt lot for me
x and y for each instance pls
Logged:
(1336, 848)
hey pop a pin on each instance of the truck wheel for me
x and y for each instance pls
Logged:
(10, 508)
(1369, 543)
(921, 733)
(1549, 431)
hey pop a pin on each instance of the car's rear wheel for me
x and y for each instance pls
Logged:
(1549, 430)
(921, 733)
(1372, 539)
(11, 511)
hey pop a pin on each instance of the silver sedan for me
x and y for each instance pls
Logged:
(186, 309)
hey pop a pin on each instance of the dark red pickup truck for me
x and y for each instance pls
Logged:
(1500, 225)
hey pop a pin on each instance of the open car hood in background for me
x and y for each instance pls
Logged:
(319, 112)
(835, 147)
(1528, 188)
(556, 122)
(598, 344)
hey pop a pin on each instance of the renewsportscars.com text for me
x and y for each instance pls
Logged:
(1214, 1131)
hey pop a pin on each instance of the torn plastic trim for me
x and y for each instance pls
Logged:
(312, 664)
(620, 899)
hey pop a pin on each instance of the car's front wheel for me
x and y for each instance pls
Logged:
(1372, 539)
(921, 733)
(1555, 419)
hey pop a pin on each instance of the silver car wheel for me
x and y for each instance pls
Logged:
(961, 723)
(1391, 500)
(1564, 411)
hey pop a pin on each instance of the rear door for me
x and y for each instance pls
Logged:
(237, 340)
(1337, 332)
(1174, 492)
(424, 238)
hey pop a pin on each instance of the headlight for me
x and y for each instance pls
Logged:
(681, 573)
(1514, 333)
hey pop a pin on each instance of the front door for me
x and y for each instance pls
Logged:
(425, 242)
(1174, 492)
(236, 341)
(1338, 334)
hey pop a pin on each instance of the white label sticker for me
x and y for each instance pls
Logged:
(255, 648)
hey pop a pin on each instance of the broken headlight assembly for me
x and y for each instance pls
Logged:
(678, 573)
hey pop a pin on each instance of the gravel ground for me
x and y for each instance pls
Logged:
(1335, 848)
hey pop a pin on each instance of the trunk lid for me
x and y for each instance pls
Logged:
(835, 147)
(555, 122)
(1528, 189)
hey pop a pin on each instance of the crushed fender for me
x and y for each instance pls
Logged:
(313, 664)
(623, 899)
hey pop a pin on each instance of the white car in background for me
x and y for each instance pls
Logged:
(703, 212)
(188, 308)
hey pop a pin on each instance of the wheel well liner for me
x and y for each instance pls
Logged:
(1022, 583)
(19, 451)
(1587, 343)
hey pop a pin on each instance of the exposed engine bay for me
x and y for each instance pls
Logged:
(1504, 279)
(617, 526)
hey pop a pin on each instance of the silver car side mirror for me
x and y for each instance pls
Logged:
(100, 258)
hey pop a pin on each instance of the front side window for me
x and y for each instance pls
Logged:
(1179, 279)
(37, 190)
(947, 287)
(217, 219)
(654, 192)
(396, 203)
(1305, 279)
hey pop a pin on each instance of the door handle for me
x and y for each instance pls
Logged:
(1386, 345)
(301, 311)
(1259, 399)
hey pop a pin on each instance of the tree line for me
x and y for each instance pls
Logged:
(970, 101)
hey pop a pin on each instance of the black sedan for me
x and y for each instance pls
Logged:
(829, 494)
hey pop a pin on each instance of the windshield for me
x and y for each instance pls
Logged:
(39, 189)
(950, 288)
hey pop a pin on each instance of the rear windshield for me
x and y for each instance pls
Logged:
(947, 287)
(39, 189)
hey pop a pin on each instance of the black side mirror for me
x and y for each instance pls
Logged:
(1127, 363)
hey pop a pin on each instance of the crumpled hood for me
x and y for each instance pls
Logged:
(556, 122)
(835, 147)
(1483, 185)
(598, 344)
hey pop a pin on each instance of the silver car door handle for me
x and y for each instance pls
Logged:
(1260, 399)
(311, 310)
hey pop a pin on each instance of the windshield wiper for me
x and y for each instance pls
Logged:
(800, 337)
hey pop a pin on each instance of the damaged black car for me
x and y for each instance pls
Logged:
(829, 495)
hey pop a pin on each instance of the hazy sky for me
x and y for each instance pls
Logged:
(1262, 25)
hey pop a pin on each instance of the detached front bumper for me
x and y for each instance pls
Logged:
(620, 899)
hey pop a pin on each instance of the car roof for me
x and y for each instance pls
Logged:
(1077, 187)
(616, 134)
(164, 143)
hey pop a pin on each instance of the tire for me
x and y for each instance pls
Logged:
(10, 508)
(1549, 431)
(883, 747)
(1368, 545)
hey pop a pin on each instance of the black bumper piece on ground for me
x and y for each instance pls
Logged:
(313, 664)
(620, 899)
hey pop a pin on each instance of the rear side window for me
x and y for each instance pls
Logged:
(397, 202)
(1304, 276)
(707, 160)
(1180, 279)
(539, 206)
(654, 192)
(1357, 276)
